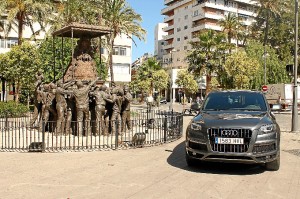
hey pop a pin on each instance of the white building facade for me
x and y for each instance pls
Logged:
(159, 41)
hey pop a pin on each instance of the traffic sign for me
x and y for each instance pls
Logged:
(264, 88)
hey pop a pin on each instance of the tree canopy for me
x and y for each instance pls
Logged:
(20, 65)
(186, 81)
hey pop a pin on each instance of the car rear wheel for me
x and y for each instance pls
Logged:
(191, 162)
(274, 165)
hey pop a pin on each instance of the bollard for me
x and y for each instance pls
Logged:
(165, 129)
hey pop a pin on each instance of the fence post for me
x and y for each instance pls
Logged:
(43, 136)
(165, 129)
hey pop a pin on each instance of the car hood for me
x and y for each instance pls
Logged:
(239, 119)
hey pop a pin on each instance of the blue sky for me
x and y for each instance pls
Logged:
(150, 11)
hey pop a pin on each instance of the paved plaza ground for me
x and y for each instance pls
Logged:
(149, 172)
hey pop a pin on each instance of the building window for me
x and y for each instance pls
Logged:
(102, 51)
(116, 51)
(8, 43)
(185, 47)
(178, 39)
(185, 27)
(12, 43)
(123, 51)
(186, 17)
(186, 37)
(195, 13)
(178, 29)
(121, 69)
(2, 43)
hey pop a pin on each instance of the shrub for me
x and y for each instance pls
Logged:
(12, 109)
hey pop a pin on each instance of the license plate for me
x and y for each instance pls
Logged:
(229, 140)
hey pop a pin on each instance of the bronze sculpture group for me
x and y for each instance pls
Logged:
(80, 103)
(86, 104)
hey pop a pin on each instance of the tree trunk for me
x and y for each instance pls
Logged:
(111, 60)
(20, 18)
(208, 83)
(17, 93)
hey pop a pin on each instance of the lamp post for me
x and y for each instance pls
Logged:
(171, 82)
(265, 65)
(295, 96)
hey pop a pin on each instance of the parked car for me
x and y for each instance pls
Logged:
(193, 109)
(234, 126)
(163, 101)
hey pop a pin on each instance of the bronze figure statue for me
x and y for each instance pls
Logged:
(125, 114)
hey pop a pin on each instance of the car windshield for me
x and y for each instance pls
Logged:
(248, 101)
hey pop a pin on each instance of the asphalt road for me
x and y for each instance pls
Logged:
(151, 172)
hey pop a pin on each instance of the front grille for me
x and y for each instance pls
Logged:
(230, 148)
(264, 148)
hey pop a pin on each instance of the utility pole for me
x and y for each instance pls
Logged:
(171, 84)
(265, 65)
(295, 95)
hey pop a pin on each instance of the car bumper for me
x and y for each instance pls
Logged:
(261, 152)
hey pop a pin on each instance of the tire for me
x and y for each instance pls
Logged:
(274, 165)
(191, 162)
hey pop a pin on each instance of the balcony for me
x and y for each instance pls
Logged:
(169, 18)
(227, 8)
(167, 2)
(198, 17)
(198, 27)
(168, 37)
(206, 26)
(168, 28)
(173, 6)
(169, 46)
(246, 12)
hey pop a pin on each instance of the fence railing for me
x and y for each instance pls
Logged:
(147, 128)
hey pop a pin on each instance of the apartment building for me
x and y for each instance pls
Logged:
(159, 41)
(186, 18)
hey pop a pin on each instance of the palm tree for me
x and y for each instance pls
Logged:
(22, 13)
(88, 11)
(230, 25)
(206, 55)
(121, 18)
(266, 9)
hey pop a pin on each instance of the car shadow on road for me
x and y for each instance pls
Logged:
(177, 159)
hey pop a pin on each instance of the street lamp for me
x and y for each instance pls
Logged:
(265, 55)
(171, 84)
(295, 95)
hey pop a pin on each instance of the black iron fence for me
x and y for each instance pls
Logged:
(146, 128)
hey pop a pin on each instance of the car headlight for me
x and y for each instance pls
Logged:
(267, 128)
(197, 125)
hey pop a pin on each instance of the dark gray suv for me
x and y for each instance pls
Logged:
(234, 126)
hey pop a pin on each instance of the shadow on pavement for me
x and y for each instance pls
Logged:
(177, 159)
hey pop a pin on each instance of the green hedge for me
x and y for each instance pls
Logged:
(12, 109)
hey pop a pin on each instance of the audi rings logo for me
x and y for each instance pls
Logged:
(233, 133)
